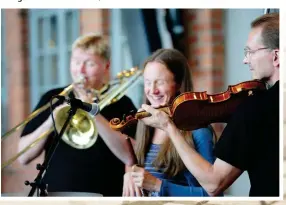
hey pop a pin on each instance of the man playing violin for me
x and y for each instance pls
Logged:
(250, 141)
(83, 170)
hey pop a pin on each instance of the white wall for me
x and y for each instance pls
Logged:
(237, 27)
(128, 47)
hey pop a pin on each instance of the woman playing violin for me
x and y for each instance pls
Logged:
(160, 170)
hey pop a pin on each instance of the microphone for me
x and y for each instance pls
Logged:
(92, 108)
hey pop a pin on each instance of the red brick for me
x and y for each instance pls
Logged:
(94, 20)
(217, 14)
(202, 50)
(192, 39)
(216, 26)
(204, 31)
(17, 54)
(218, 49)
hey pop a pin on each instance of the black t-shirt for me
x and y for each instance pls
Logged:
(95, 169)
(250, 142)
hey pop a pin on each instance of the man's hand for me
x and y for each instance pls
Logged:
(159, 118)
(84, 94)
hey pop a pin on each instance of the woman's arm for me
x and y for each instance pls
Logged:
(214, 177)
(204, 145)
(170, 189)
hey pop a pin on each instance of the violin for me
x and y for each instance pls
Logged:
(194, 110)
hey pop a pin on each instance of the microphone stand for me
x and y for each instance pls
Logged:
(38, 183)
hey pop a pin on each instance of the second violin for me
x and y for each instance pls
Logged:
(193, 110)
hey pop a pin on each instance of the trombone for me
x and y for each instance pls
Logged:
(81, 132)
(34, 114)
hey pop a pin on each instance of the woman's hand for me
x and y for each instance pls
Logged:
(129, 188)
(143, 179)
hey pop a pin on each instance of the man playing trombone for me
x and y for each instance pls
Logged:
(81, 169)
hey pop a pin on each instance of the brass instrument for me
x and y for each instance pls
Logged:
(34, 114)
(81, 132)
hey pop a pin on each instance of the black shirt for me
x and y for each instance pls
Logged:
(95, 169)
(250, 142)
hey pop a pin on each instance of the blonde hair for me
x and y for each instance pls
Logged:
(95, 43)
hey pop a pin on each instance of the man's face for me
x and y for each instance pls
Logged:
(89, 66)
(259, 58)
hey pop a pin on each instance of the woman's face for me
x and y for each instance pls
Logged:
(159, 85)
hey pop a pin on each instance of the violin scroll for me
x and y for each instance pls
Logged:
(128, 120)
(131, 119)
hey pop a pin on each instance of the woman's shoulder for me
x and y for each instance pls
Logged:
(204, 133)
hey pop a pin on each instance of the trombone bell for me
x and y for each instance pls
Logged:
(81, 132)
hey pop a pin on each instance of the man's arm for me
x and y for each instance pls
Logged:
(115, 141)
(35, 128)
(213, 178)
(38, 148)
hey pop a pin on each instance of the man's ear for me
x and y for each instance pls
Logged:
(107, 67)
(276, 59)
(107, 73)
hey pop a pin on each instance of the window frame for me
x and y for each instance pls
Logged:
(61, 51)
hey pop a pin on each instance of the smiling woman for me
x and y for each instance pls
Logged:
(160, 170)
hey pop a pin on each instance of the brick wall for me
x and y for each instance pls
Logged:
(94, 20)
(13, 177)
(205, 39)
(17, 63)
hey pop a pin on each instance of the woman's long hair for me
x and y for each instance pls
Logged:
(168, 157)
